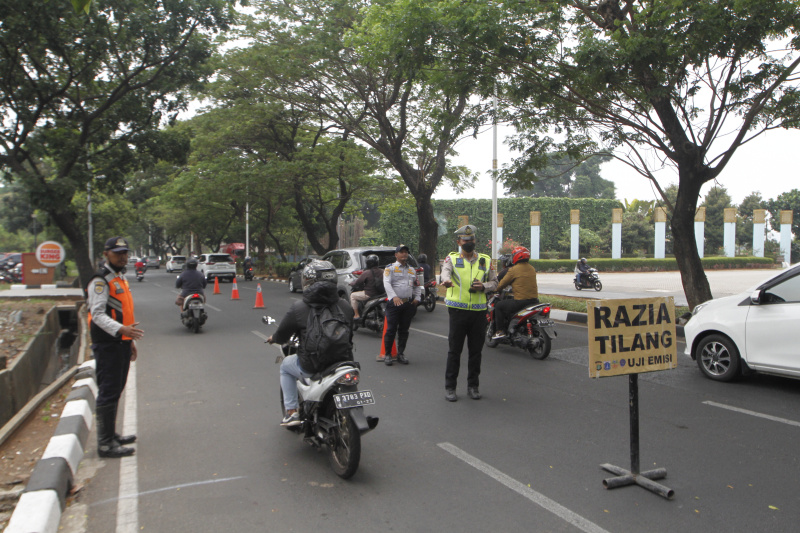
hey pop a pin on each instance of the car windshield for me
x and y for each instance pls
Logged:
(219, 258)
(178, 258)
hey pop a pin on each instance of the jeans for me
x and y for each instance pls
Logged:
(291, 371)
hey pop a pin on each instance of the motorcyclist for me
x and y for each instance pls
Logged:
(190, 282)
(522, 277)
(504, 262)
(368, 285)
(319, 289)
(140, 266)
(427, 270)
(580, 269)
(247, 264)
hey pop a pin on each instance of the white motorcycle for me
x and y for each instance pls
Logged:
(331, 410)
(193, 312)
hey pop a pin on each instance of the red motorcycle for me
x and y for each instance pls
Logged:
(530, 328)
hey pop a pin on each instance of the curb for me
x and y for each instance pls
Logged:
(44, 498)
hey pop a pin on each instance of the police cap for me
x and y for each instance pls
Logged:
(466, 232)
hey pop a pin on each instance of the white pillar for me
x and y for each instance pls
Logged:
(759, 231)
(729, 233)
(616, 233)
(661, 233)
(536, 219)
(786, 236)
(700, 230)
(574, 222)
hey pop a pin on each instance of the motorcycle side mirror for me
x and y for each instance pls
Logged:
(268, 320)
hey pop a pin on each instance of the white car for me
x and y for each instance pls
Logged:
(176, 263)
(757, 330)
(217, 266)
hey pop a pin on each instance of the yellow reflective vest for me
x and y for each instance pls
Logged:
(464, 272)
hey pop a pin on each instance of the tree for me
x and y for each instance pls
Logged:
(788, 201)
(85, 94)
(715, 202)
(658, 83)
(561, 178)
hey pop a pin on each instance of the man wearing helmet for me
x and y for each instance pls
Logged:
(190, 281)
(581, 268)
(522, 277)
(368, 285)
(319, 290)
(427, 270)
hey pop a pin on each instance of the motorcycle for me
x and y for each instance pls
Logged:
(331, 410)
(248, 273)
(429, 296)
(589, 280)
(140, 274)
(530, 328)
(371, 314)
(193, 312)
(10, 275)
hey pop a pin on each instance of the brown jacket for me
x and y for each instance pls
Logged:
(522, 277)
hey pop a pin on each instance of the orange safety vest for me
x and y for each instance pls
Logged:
(119, 306)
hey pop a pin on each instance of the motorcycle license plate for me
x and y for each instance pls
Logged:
(348, 400)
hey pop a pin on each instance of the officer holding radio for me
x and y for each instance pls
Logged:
(468, 276)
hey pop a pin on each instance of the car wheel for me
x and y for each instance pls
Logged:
(291, 285)
(718, 358)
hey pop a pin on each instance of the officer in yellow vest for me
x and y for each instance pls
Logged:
(468, 276)
(113, 330)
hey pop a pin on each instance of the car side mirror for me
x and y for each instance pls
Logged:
(755, 298)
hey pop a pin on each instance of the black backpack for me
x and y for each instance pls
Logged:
(327, 336)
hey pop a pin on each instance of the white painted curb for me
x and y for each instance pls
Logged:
(36, 512)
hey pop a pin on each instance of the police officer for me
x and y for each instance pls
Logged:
(404, 295)
(113, 330)
(468, 276)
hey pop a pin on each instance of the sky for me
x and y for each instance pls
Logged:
(767, 165)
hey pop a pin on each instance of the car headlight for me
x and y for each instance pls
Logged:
(697, 309)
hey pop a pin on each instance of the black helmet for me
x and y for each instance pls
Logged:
(191, 263)
(422, 258)
(317, 270)
(583, 259)
(372, 261)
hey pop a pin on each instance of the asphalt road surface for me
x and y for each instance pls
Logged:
(212, 457)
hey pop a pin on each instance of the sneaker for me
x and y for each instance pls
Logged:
(498, 335)
(473, 393)
(388, 360)
(450, 395)
(291, 420)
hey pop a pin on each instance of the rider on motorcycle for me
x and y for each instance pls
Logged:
(319, 288)
(190, 282)
(427, 270)
(368, 285)
(522, 277)
(140, 266)
(580, 269)
(247, 264)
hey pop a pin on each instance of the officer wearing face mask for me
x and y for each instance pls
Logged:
(468, 276)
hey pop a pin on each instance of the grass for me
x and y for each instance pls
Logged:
(578, 305)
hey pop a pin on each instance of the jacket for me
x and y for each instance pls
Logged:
(191, 281)
(108, 294)
(370, 282)
(321, 293)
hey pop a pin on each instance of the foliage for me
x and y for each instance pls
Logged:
(789, 201)
(561, 178)
(744, 220)
(650, 264)
(715, 202)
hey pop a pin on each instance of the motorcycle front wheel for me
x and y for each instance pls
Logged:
(598, 286)
(430, 302)
(543, 350)
(577, 286)
(344, 445)
(489, 334)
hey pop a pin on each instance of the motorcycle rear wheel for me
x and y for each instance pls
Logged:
(598, 286)
(196, 325)
(430, 302)
(344, 445)
(544, 347)
(577, 286)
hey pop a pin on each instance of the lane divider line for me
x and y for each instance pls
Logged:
(523, 490)
(753, 413)
(128, 504)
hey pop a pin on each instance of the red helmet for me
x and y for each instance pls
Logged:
(520, 253)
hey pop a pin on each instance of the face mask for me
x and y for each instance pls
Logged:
(468, 247)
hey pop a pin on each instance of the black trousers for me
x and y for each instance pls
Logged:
(469, 326)
(505, 309)
(113, 360)
(398, 320)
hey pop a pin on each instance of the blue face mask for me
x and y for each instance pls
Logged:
(468, 247)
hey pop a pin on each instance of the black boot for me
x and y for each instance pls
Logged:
(122, 439)
(402, 338)
(387, 349)
(106, 445)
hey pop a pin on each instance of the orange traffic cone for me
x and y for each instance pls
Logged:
(259, 298)
(235, 291)
(216, 286)
(383, 346)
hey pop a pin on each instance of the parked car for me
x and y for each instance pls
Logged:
(755, 330)
(295, 279)
(217, 266)
(132, 260)
(176, 263)
(348, 261)
(152, 261)
(10, 260)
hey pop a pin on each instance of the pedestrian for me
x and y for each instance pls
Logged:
(113, 331)
(404, 295)
(522, 278)
(468, 276)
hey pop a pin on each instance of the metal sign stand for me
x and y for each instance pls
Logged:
(626, 477)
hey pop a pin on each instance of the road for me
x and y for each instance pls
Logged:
(211, 456)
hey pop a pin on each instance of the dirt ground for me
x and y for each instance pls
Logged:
(15, 334)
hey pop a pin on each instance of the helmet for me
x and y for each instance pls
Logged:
(520, 253)
(505, 260)
(372, 261)
(583, 259)
(422, 258)
(316, 271)
(191, 263)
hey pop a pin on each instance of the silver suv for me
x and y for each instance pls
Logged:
(217, 266)
(350, 260)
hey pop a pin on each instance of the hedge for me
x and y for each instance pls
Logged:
(651, 265)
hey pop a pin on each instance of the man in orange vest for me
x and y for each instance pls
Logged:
(113, 331)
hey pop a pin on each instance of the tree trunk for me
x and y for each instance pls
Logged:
(65, 221)
(693, 277)
(428, 228)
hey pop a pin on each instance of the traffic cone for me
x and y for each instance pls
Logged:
(235, 291)
(383, 348)
(216, 286)
(259, 298)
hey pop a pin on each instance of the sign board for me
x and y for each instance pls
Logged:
(50, 254)
(536, 218)
(574, 216)
(616, 216)
(631, 336)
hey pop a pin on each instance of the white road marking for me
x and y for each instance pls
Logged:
(523, 490)
(261, 335)
(428, 333)
(753, 413)
(173, 487)
(128, 504)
